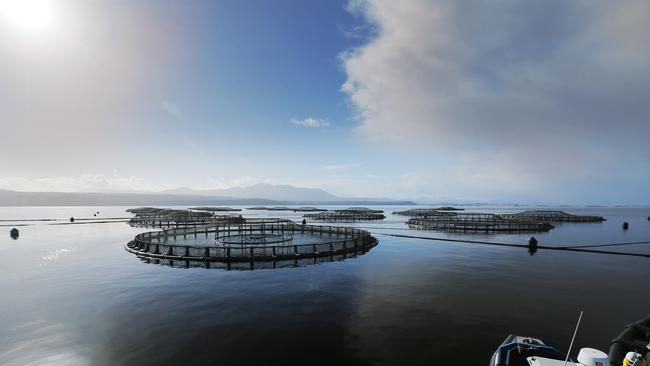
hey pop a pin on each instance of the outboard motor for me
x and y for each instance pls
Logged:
(593, 357)
(634, 359)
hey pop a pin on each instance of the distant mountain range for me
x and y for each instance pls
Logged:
(263, 191)
(258, 194)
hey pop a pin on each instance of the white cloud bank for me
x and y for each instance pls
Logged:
(530, 88)
(310, 122)
(337, 167)
(82, 183)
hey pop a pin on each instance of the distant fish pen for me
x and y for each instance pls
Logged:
(449, 208)
(261, 240)
(359, 210)
(552, 216)
(283, 208)
(352, 214)
(422, 212)
(275, 208)
(215, 209)
(308, 209)
(476, 222)
(168, 218)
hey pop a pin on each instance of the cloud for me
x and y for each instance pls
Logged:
(82, 183)
(171, 108)
(335, 167)
(544, 89)
(310, 122)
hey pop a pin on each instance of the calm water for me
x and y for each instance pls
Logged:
(71, 295)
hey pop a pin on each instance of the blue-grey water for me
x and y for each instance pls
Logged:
(71, 295)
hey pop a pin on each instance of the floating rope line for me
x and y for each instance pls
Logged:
(80, 219)
(88, 222)
(565, 248)
(608, 245)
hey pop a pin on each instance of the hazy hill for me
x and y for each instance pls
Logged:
(263, 191)
(14, 198)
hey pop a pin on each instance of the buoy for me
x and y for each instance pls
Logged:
(14, 233)
(648, 218)
(72, 219)
(625, 225)
(304, 221)
(532, 245)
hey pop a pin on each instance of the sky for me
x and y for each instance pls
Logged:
(514, 101)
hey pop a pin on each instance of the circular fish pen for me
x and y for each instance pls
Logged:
(282, 208)
(215, 209)
(552, 216)
(253, 244)
(309, 209)
(421, 212)
(476, 222)
(274, 208)
(353, 214)
(168, 218)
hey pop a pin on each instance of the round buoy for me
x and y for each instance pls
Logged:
(648, 218)
(625, 225)
(72, 219)
(532, 245)
(14, 233)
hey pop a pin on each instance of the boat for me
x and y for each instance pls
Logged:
(526, 351)
(586, 357)
(515, 351)
(630, 348)
(635, 338)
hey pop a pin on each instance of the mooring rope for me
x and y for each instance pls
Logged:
(79, 219)
(565, 248)
(608, 245)
(88, 222)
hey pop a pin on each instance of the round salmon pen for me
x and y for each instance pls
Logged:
(215, 209)
(168, 218)
(256, 243)
(352, 214)
(422, 212)
(477, 222)
(552, 216)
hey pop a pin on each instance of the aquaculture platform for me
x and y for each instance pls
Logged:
(352, 214)
(552, 216)
(422, 212)
(215, 209)
(308, 209)
(259, 240)
(167, 218)
(282, 208)
(476, 222)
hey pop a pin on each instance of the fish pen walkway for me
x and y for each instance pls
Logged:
(476, 222)
(261, 240)
(352, 214)
(167, 218)
(552, 216)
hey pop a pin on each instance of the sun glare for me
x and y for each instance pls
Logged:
(32, 15)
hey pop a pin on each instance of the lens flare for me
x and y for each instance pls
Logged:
(32, 15)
